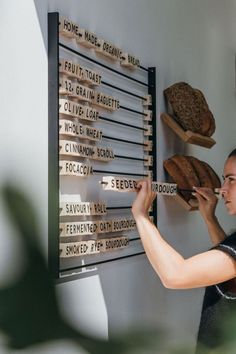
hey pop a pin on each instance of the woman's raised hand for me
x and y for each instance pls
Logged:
(144, 199)
(207, 202)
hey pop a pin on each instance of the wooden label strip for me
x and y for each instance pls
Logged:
(87, 39)
(71, 148)
(68, 28)
(78, 228)
(67, 67)
(69, 88)
(123, 225)
(108, 50)
(70, 69)
(74, 168)
(106, 101)
(91, 77)
(104, 154)
(118, 184)
(164, 188)
(126, 185)
(129, 61)
(83, 248)
(88, 227)
(67, 127)
(77, 110)
(82, 208)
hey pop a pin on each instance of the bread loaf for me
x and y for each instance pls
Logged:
(178, 175)
(190, 108)
(202, 173)
(214, 177)
(188, 171)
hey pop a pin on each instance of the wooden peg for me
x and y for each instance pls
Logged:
(148, 145)
(68, 28)
(150, 174)
(108, 50)
(148, 115)
(129, 61)
(149, 161)
(82, 208)
(147, 101)
(74, 168)
(87, 39)
(118, 184)
(148, 130)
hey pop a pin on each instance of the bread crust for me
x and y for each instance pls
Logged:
(187, 170)
(214, 177)
(177, 176)
(201, 171)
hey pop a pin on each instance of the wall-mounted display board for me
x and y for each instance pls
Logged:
(102, 134)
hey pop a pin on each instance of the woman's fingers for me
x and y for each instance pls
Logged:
(206, 193)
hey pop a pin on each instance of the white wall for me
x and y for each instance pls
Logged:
(187, 41)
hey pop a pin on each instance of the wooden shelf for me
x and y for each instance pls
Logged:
(187, 136)
(191, 205)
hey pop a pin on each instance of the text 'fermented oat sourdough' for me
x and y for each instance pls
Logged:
(190, 108)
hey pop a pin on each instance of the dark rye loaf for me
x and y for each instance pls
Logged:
(190, 108)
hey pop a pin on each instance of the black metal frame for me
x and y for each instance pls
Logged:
(53, 142)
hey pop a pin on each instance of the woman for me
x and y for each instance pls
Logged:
(215, 266)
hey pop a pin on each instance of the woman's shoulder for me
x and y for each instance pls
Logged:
(230, 240)
(228, 244)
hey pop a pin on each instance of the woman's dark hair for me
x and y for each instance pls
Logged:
(233, 153)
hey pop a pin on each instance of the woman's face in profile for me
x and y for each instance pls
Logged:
(228, 188)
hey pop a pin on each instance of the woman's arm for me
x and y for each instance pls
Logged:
(175, 272)
(207, 202)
